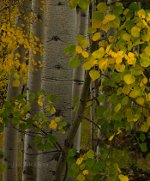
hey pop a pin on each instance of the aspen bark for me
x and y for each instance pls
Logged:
(34, 85)
(57, 74)
(79, 73)
(10, 143)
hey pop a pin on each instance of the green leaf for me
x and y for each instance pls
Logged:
(101, 98)
(90, 154)
(82, 166)
(143, 147)
(100, 110)
(129, 24)
(117, 107)
(98, 15)
(125, 101)
(142, 137)
(75, 62)
(94, 74)
(70, 49)
(118, 9)
(102, 7)
(83, 4)
(73, 3)
(80, 177)
(134, 6)
(71, 153)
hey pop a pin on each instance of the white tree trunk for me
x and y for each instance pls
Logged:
(10, 143)
(57, 74)
(79, 73)
(34, 85)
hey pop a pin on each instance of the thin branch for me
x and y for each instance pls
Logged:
(45, 152)
(89, 120)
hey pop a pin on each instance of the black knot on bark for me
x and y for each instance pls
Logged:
(58, 66)
(60, 4)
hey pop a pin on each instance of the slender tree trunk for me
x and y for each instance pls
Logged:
(57, 74)
(10, 143)
(79, 73)
(34, 86)
(73, 130)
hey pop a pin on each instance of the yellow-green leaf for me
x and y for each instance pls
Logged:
(135, 31)
(129, 79)
(52, 110)
(90, 154)
(80, 177)
(108, 18)
(96, 36)
(94, 74)
(123, 178)
(140, 101)
(117, 107)
(111, 137)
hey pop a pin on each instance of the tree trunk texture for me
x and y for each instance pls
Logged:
(57, 74)
(34, 86)
(79, 73)
(10, 143)
(73, 130)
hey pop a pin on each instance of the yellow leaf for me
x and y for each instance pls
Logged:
(85, 54)
(118, 131)
(52, 110)
(118, 60)
(125, 36)
(16, 83)
(94, 74)
(129, 79)
(108, 18)
(120, 67)
(84, 43)
(140, 101)
(126, 90)
(131, 60)
(123, 178)
(148, 97)
(147, 50)
(57, 119)
(96, 23)
(117, 167)
(81, 177)
(99, 53)
(103, 64)
(135, 31)
(78, 49)
(40, 100)
(111, 137)
(89, 64)
(141, 13)
(85, 172)
(53, 124)
(144, 127)
(79, 161)
(96, 36)
(135, 93)
(144, 80)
